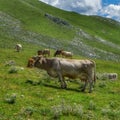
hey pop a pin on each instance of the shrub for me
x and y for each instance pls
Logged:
(92, 105)
(89, 116)
(111, 114)
(102, 84)
(10, 99)
(10, 63)
(13, 69)
(44, 111)
(66, 109)
(26, 112)
(57, 20)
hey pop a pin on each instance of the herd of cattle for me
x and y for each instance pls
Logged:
(46, 52)
(64, 66)
(61, 66)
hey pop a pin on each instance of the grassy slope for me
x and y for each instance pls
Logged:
(28, 10)
(43, 99)
(31, 15)
(33, 19)
(87, 23)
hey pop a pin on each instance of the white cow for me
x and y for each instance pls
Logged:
(18, 47)
(71, 68)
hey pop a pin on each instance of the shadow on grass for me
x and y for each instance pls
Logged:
(51, 86)
(58, 87)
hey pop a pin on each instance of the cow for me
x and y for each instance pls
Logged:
(57, 53)
(18, 47)
(30, 62)
(66, 54)
(40, 52)
(44, 52)
(71, 68)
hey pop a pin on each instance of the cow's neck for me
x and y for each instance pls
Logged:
(47, 65)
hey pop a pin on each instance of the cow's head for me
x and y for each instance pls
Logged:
(30, 62)
(58, 52)
(36, 61)
(39, 61)
(40, 52)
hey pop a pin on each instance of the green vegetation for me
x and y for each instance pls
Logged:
(29, 93)
(89, 36)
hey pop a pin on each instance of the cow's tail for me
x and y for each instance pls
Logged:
(94, 78)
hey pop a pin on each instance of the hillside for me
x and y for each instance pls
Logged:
(29, 93)
(35, 22)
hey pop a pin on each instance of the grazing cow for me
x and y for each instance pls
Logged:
(71, 68)
(18, 47)
(63, 53)
(30, 62)
(57, 52)
(40, 52)
(44, 52)
(66, 54)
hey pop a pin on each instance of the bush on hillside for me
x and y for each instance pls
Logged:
(57, 20)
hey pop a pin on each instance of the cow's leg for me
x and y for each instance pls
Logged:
(84, 87)
(65, 85)
(91, 85)
(90, 80)
(61, 79)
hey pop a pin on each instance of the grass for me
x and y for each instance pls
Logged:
(37, 96)
(29, 14)
(34, 27)
(30, 93)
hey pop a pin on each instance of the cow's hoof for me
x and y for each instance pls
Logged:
(63, 86)
(90, 91)
(82, 90)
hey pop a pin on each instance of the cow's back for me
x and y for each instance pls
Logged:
(76, 68)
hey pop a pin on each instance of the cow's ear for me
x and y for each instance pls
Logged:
(37, 58)
(40, 61)
(44, 61)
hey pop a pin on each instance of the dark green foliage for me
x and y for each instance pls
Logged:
(57, 20)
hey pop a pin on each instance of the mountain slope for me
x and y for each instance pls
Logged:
(35, 22)
(29, 93)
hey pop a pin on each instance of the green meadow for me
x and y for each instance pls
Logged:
(29, 93)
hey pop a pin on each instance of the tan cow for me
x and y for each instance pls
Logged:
(44, 52)
(66, 54)
(30, 62)
(18, 47)
(71, 68)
